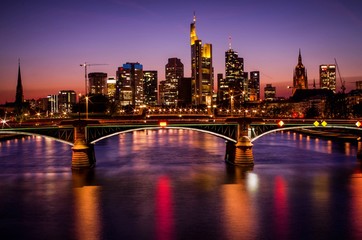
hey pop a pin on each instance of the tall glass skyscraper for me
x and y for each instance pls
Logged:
(202, 71)
(174, 71)
(130, 84)
(150, 87)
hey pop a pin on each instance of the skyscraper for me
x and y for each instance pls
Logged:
(327, 77)
(66, 100)
(202, 72)
(97, 83)
(19, 97)
(130, 84)
(254, 86)
(300, 79)
(150, 87)
(174, 71)
(111, 87)
(235, 78)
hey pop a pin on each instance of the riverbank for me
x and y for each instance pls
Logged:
(5, 137)
(332, 134)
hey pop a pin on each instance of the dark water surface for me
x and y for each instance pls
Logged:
(174, 184)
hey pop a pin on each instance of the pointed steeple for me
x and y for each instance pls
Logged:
(19, 98)
(300, 58)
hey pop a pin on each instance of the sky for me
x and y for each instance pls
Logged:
(52, 39)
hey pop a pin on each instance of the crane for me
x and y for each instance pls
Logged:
(343, 88)
(85, 65)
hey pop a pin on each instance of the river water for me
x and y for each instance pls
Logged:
(174, 184)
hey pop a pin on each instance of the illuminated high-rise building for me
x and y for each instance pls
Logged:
(327, 77)
(254, 86)
(150, 79)
(66, 100)
(174, 71)
(202, 72)
(111, 87)
(97, 83)
(300, 79)
(237, 83)
(269, 92)
(130, 84)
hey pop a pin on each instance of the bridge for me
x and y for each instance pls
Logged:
(238, 132)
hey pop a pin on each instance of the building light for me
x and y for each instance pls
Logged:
(163, 124)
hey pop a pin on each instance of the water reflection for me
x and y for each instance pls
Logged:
(281, 209)
(174, 184)
(87, 212)
(164, 210)
(356, 203)
(240, 217)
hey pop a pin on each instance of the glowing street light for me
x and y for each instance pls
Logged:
(86, 107)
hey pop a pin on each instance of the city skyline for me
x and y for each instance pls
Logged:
(53, 39)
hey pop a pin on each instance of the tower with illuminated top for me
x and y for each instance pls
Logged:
(202, 72)
(300, 79)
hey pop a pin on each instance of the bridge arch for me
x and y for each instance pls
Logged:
(35, 134)
(158, 128)
(302, 127)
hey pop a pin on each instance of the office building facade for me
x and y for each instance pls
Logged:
(174, 71)
(202, 72)
(150, 79)
(97, 83)
(327, 77)
(130, 84)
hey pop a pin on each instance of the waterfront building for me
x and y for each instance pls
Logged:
(53, 104)
(300, 79)
(130, 84)
(97, 83)
(269, 92)
(66, 100)
(150, 79)
(111, 87)
(254, 86)
(327, 77)
(174, 71)
(202, 71)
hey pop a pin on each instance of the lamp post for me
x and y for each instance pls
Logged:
(79, 95)
(86, 107)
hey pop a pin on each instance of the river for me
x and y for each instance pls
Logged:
(174, 184)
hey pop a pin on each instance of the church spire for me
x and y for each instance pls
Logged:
(19, 98)
(300, 58)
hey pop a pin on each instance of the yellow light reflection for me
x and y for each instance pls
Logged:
(240, 219)
(356, 204)
(87, 214)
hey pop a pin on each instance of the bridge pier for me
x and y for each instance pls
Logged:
(83, 156)
(241, 153)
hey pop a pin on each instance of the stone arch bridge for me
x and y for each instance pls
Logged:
(239, 134)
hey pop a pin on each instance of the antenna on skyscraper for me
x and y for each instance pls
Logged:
(194, 17)
(229, 42)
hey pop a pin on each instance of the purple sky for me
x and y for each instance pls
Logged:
(52, 38)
